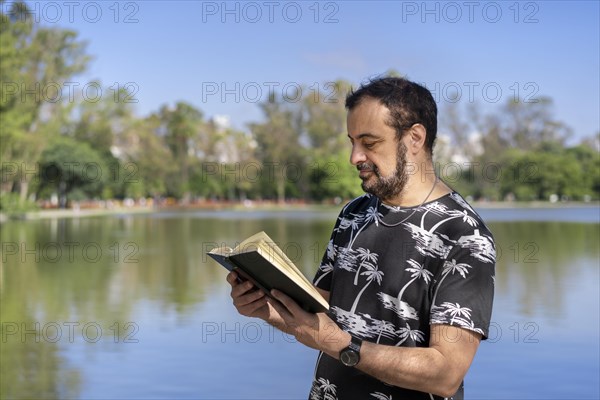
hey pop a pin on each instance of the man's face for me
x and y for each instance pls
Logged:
(377, 153)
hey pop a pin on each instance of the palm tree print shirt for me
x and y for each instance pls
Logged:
(389, 284)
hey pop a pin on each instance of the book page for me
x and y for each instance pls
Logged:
(224, 251)
(261, 239)
(251, 243)
(262, 243)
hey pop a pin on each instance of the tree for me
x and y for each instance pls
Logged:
(527, 125)
(278, 140)
(68, 165)
(147, 160)
(570, 173)
(328, 152)
(225, 164)
(181, 125)
(36, 62)
(588, 157)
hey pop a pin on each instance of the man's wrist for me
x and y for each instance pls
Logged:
(336, 342)
(350, 356)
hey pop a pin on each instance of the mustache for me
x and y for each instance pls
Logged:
(366, 167)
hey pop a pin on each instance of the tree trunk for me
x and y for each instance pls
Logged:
(281, 190)
(23, 189)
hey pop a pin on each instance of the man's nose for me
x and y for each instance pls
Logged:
(357, 156)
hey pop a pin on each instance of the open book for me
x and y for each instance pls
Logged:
(261, 261)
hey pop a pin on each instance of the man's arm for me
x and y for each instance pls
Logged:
(437, 369)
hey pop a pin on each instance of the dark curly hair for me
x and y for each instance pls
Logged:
(409, 103)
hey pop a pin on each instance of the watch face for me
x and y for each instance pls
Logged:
(349, 357)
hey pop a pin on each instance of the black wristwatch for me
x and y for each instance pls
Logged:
(350, 356)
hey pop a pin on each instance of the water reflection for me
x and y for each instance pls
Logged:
(538, 263)
(97, 272)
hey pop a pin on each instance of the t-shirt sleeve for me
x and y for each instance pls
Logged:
(322, 278)
(464, 288)
(324, 274)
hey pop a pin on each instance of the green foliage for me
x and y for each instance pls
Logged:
(10, 203)
(521, 154)
(299, 150)
(333, 176)
(68, 165)
(33, 58)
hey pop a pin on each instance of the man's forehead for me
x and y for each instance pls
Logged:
(368, 111)
(369, 119)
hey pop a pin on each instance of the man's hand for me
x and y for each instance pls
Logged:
(251, 301)
(247, 299)
(317, 331)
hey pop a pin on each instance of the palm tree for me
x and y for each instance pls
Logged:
(373, 274)
(450, 267)
(458, 198)
(383, 326)
(364, 255)
(370, 215)
(325, 268)
(418, 271)
(435, 207)
(346, 223)
(405, 333)
(327, 388)
(457, 214)
(456, 311)
(381, 396)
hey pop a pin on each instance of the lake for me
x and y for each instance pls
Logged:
(129, 306)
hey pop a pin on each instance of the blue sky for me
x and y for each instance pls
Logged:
(217, 55)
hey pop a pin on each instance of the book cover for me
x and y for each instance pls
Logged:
(261, 261)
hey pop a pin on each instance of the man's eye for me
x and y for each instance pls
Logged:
(369, 145)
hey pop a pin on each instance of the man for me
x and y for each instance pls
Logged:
(409, 269)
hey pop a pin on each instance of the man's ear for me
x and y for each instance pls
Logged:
(416, 138)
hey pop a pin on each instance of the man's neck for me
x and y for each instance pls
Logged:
(422, 186)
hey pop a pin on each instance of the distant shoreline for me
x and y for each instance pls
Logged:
(240, 207)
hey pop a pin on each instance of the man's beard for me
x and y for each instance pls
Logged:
(389, 187)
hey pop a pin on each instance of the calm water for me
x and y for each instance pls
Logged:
(129, 306)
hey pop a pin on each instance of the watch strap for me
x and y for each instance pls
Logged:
(355, 344)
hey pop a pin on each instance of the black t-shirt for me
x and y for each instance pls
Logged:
(392, 272)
